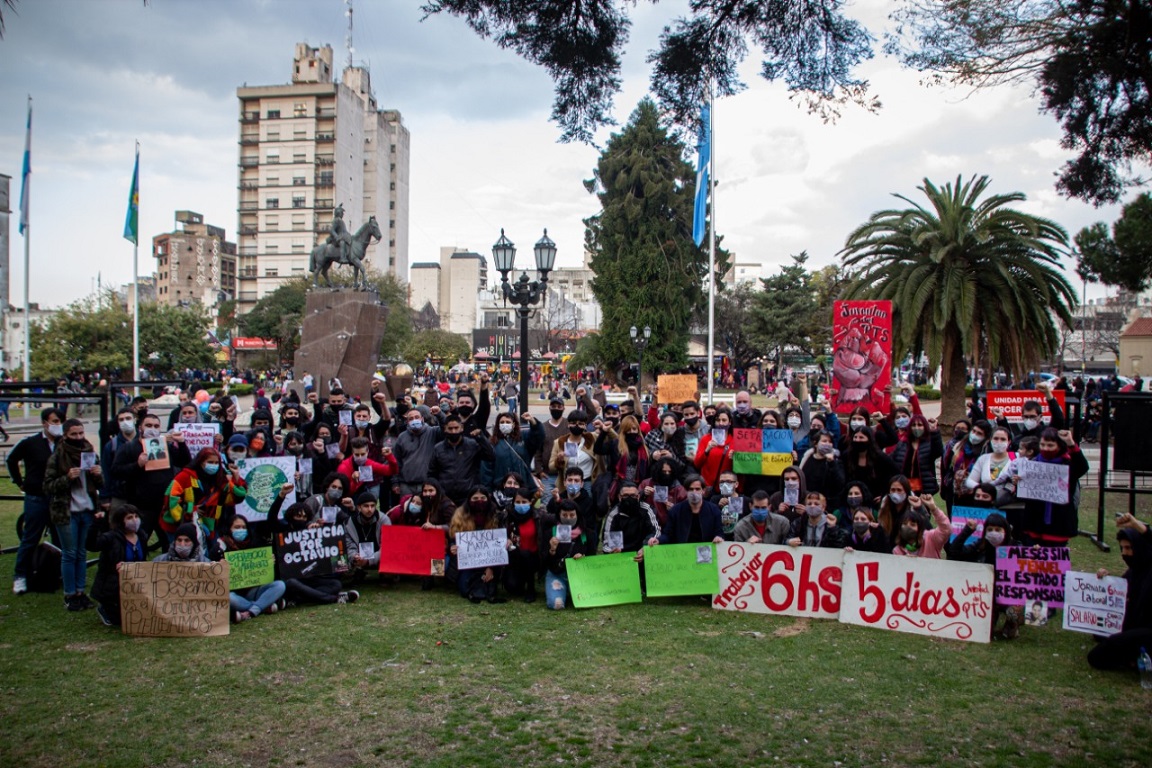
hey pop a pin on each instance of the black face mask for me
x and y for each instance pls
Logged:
(557, 414)
(75, 443)
(576, 430)
(692, 422)
(1129, 560)
(453, 437)
(633, 441)
(465, 411)
(291, 420)
(629, 505)
(710, 419)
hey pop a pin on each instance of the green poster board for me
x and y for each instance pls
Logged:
(250, 568)
(681, 569)
(604, 580)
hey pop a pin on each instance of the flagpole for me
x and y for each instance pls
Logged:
(26, 221)
(136, 286)
(711, 244)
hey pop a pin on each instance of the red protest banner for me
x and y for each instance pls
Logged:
(862, 355)
(1011, 402)
(407, 549)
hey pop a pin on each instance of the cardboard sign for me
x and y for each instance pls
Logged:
(790, 581)
(603, 580)
(961, 516)
(862, 355)
(250, 568)
(156, 453)
(761, 451)
(198, 436)
(1093, 605)
(411, 550)
(1025, 575)
(917, 595)
(174, 599)
(1011, 402)
(264, 476)
(311, 552)
(1043, 481)
(481, 549)
(677, 569)
(675, 388)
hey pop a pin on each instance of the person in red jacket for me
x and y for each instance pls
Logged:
(714, 453)
(354, 467)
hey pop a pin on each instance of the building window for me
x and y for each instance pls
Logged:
(298, 246)
(391, 223)
(299, 202)
(299, 157)
(271, 272)
(391, 243)
(272, 202)
(299, 181)
(393, 149)
(299, 109)
(392, 186)
(273, 136)
(391, 205)
(272, 248)
(273, 114)
(272, 158)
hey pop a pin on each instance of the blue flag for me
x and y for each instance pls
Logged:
(26, 178)
(704, 156)
(132, 220)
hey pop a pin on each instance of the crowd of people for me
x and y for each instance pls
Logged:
(596, 477)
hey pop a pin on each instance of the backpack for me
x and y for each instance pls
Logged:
(44, 569)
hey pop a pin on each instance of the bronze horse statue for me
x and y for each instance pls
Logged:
(325, 255)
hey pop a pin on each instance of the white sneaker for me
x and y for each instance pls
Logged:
(19, 585)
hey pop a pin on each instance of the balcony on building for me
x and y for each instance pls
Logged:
(249, 185)
(249, 140)
(325, 138)
(249, 161)
(249, 205)
(325, 160)
(249, 117)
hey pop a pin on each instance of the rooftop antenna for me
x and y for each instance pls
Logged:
(348, 37)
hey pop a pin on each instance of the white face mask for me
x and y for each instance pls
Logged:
(151, 433)
(505, 428)
(794, 423)
(995, 538)
(1030, 423)
(999, 446)
(56, 430)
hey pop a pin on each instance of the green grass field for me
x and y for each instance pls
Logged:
(407, 678)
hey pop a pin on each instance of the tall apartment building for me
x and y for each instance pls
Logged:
(194, 264)
(305, 148)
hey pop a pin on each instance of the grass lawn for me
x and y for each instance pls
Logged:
(427, 679)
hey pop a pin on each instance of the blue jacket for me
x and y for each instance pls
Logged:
(679, 524)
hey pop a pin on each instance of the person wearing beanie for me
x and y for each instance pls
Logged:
(185, 547)
(362, 535)
(237, 448)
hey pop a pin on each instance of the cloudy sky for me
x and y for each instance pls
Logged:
(484, 156)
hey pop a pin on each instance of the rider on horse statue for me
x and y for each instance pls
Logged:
(339, 234)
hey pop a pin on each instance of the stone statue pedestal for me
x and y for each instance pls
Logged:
(341, 337)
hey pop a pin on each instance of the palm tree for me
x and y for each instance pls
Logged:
(968, 279)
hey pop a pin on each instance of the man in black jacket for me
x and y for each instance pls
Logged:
(456, 459)
(33, 452)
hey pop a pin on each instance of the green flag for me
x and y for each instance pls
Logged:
(132, 220)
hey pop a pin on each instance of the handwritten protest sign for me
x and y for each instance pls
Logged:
(1011, 402)
(1093, 605)
(264, 477)
(677, 569)
(604, 580)
(961, 516)
(481, 549)
(674, 388)
(1043, 481)
(1025, 575)
(761, 451)
(765, 578)
(174, 599)
(311, 552)
(250, 568)
(862, 355)
(918, 595)
(409, 549)
(198, 436)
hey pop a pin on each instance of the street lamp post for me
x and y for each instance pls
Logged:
(640, 341)
(524, 293)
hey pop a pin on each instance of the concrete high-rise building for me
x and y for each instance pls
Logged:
(305, 148)
(463, 275)
(424, 286)
(194, 264)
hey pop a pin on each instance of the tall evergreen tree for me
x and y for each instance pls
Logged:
(648, 269)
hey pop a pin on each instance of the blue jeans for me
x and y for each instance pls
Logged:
(257, 599)
(73, 555)
(555, 590)
(512, 402)
(36, 518)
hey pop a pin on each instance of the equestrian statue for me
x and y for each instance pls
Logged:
(344, 248)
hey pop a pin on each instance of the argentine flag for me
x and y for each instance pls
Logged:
(26, 178)
(704, 157)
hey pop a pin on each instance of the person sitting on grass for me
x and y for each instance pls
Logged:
(867, 534)
(479, 513)
(692, 521)
(323, 590)
(733, 505)
(630, 523)
(762, 525)
(557, 552)
(1120, 650)
(913, 539)
(185, 547)
(573, 490)
(235, 536)
(362, 535)
(524, 551)
(816, 528)
(115, 538)
(965, 549)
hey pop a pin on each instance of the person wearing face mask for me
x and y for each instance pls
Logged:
(914, 538)
(822, 469)
(714, 454)
(362, 426)
(578, 544)
(733, 505)
(695, 427)
(819, 423)
(1119, 651)
(524, 528)
(629, 524)
(916, 451)
(555, 430)
(959, 464)
(762, 525)
(789, 500)
(990, 466)
(866, 534)
(1043, 522)
(72, 494)
(362, 526)
(864, 461)
(576, 450)
(248, 603)
(668, 436)
(260, 443)
(322, 590)
(474, 412)
(185, 546)
(816, 528)
(187, 413)
(694, 520)
(293, 418)
(477, 514)
(457, 460)
(147, 489)
(666, 474)
(624, 454)
(413, 450)
(574, 490)
(982, 549)
(1032, 420)
(856, 496)
(896, 504)
(237, 449)
(112, 492)
(744, 416)
(512, 447)
(205, 490)
(114, 535)
(797, 409)
(354, 466)
(26, 463)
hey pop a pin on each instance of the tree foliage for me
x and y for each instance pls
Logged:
(783, 312)
(438, 345)
(648, 269)
(1124, 257)
(734, 334)
(968, 278)
(811, 46)
(1089, 60)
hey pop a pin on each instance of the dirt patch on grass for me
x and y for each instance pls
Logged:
(84, 647)
(799, 627)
